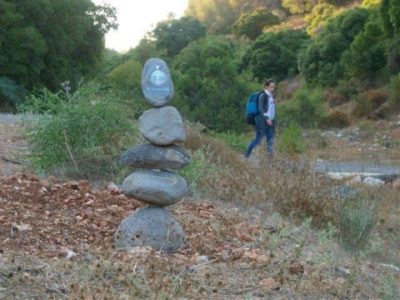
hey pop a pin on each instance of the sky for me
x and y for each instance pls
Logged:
(137, 17)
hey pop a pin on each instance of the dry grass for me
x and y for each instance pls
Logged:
(257, 226)
(369, 101)
(301, 261)
(282, 185)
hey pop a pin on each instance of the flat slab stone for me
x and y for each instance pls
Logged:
(162, 126)
(150, 226)
(156, 83)
(340, 170)
(154, 157)
(155, 187)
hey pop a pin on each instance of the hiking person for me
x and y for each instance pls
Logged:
(265, 120)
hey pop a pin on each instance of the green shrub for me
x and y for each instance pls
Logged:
(306, 109)
(83, 139)
(126, 77)
(356, 218)
(42, 102)
(199, 167)
(235, 141)
(291, 140)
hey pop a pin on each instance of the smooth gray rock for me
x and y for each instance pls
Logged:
(153, 157)
(159, 188)
(157, 85)
(150, 226)
(162, 126)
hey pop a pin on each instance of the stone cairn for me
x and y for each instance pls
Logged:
(155, 182)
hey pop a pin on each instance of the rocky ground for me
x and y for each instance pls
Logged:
(56, 241)
(369, 141)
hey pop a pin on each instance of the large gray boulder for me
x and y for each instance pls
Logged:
(157, 85)
(153, 157)
(150, 226)
(162, 126)
(156, 187)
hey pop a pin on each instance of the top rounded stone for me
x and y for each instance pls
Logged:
(157, 86)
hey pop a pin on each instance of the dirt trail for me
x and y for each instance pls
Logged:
(12, 147)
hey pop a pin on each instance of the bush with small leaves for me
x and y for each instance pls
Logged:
(84, 138)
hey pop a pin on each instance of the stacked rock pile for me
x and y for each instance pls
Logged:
(154, 180)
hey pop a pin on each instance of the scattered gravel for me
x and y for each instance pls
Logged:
(8, 119)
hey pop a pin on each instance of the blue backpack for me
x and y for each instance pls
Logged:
(252, 108)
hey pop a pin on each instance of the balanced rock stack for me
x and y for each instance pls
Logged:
(154, 180)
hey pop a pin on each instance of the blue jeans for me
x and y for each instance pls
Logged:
(262, 129)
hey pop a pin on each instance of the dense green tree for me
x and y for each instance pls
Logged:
(390, 12)
(45, 42)
(209, 88)
(21, 46)
(320, 61)
(251, 24)
(275, 54)
(366, 55)
(390, 16)
(174, 35)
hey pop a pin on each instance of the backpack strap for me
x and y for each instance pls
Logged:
(265, 101)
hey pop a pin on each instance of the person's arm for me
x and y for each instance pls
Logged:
(261, 104)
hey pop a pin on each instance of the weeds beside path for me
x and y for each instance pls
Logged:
(12, 145)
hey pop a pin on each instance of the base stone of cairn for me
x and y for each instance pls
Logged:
(150, 226)
(155, 183)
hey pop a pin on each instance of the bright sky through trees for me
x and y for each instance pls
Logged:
(137, 17)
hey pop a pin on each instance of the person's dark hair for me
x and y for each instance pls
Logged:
(268, 82)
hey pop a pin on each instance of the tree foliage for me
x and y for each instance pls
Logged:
(43, 42)
(319, 14)
(366, 55)
(174, 35)
(299, 6)
(219, 16)
(275, 54)
(209, 88)
(251, 24)
(320, 61)
(390, 16)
